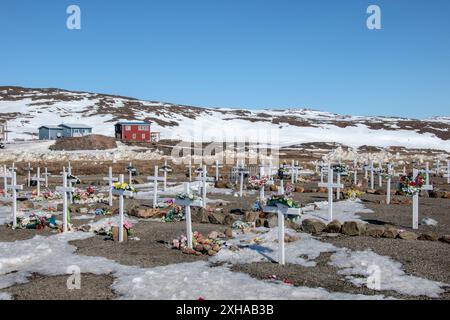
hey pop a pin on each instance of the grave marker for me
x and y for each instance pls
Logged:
(65, 190)
(165, 169)
(281, 211)
(203, 178)
(217, 165)
(110, 180)
(155, 180)
(14, 188)
(416, 201)
(29, 169)
(121, 193)
(38, 180)
(330, 185)
(388, 185)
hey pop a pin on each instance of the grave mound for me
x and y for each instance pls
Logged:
(90, 142)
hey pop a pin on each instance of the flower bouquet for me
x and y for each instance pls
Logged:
(352, 194)
(274, 200)
(176, 213)
(186, 196)
(200, 245)
(282, 173)
(411, 186)
(256, 183)
(340, 168)
(123, 186)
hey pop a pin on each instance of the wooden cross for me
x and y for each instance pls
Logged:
(65, 189)
(372, 170)
(330, 185)
(217, 165)
(187, 203)
(14, 188)
(38, 180)
(110, 180)
(388, 185)
(281, 211)
(29, 169)
(121, 193)
(155, 180)
(203, 179)
(415, 214)
(165, 169)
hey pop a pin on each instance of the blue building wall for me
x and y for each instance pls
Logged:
(49, 133)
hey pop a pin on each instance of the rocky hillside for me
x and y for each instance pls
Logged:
(26, 109)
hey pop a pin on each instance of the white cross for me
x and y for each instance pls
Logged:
(217, 165)
(261, 188)
(242, 171)
(380, 174)
(46, 175)
(121, 193)
(165, 169)
(355, 172)
(65, 190)
(130, 169)
(29, 169)
(447, 175)
(69, 181)
(187, 203)
(281, 211)
(203, 179)
(155, 180)
(330, 185)
(437, 164)
(416, 201)
(5, 175)
(388, 185)
(14, 187)
(366, 168)
(372, 170)
(427, 172)
(110, 180)
(38, 180)
(338, 184)
(270, 170)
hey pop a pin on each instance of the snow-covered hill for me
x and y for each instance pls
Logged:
(27, 109)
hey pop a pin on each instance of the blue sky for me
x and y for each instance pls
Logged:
(233, 53)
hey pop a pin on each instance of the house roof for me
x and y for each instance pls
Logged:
(132, 122)
(75, 126)
(53, 127)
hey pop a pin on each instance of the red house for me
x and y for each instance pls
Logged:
(133, 131)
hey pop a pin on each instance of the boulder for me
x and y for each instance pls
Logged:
(313, 226)
(146, 213)
(408, 235)
(428, 237)
(237, 211)
(228, 220)
(221, 184)
(251, 216)
(353, 228)
(299, 189)
(228, 233)
(446, 195)
(445, 238)
(374, 231)
(115, 234)
(322, 190)
(271, 221)
(216, 218)
(334, 226)
(390, 232)
(199, 216)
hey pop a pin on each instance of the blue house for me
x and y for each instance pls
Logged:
(50, 132)
(65, 130)
(75, 130)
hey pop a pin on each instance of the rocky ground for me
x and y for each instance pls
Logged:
(427, 258)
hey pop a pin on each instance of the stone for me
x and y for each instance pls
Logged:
(436, 194)
(322, 190)
(446, 195)
(213, 235)
(313, 226)
(221, 184)
(271, 221)
(334, 226)
(228, 233)
(374, 231)
(370, 191)
(211, 252)
(215, 218)
(83, 210)
(390, 232)
(445, 238)
(408, 235)
(146, 213)
(353, 228)
(299, 189)
(428, 237)
(115, 234)
(289, 238)
(228, 220)
(251, 216)
(199, 215)
(237, 211)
